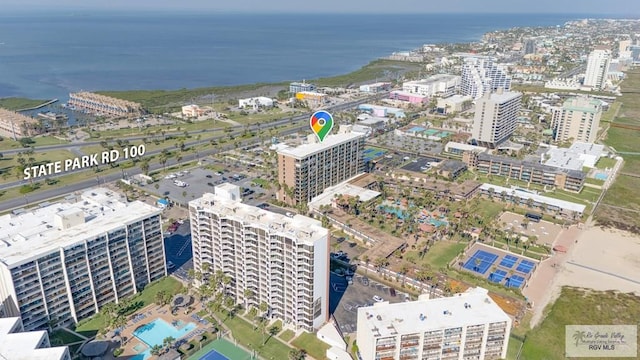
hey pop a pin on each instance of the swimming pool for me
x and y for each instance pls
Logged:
(601, 176)
(156, 331)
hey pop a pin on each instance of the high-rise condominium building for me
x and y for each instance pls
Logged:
(496, 117)
(16, 344)
(481, 75)
(597, 68)
(466, 327)
(577, 119)
(62, 262)
(307, 170)
(283, 261)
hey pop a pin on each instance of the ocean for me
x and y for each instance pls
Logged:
(48, 56)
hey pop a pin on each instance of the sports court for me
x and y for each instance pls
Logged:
(480, 261)
(507, 269)
(508, 261)
(370, 153)
(525, 266)
(515, 281)
(497, 276)
(221, 349)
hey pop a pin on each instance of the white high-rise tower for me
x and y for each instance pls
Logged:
(597, 68)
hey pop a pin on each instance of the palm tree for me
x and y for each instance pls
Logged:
(366, 260)
(297, 354)
(144, 166)
(477, 262)
(168, 341)
(264, 307)
(156, 350)
(272, 331)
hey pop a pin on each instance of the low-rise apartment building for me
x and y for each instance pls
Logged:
(530, 172)
(469, 326)
(105, 105)
(16, 125)
(62, 262)
(283, 261)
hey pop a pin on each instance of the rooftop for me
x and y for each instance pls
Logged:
(501, 97)
(456, 99)
(433, 79)
(582, 103)
(464, 147)
(566, 205)
(516, 162)
(301, 227)
(305, 150)
(470, 308)
(574, 158)
(344, 188)
(40, 231)
(24, 345)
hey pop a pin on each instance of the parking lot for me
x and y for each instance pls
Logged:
(421, 164)
(345, 299)
(177, 247)
(199, 181)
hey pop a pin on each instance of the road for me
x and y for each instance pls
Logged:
(69, 188)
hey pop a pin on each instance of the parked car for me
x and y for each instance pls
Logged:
(392, 291)
(377, 298)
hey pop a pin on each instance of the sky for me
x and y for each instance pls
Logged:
(600, 7)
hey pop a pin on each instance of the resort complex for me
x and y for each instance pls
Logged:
(469, 201)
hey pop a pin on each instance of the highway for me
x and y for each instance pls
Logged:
(63, 189)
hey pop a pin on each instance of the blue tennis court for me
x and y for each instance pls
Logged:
(486, 260)
(508, 261)
(497, 276)
(214, 355)
(525, 266)
(515, 281)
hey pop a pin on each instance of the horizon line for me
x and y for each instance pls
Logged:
(74, 11)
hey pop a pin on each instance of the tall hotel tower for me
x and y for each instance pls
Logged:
(283, 260)
(64, 261)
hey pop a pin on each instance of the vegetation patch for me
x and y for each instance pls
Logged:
(578, 306)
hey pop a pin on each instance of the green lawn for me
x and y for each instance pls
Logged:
(312, 345)
(16, 103)
(605, 163)
(287, 335)
(442, 252)
(60, 337)
(578, 306)
(253, 339)
(514, 347)
(490, 210)
(91, 326)
(624, 140)
(608, 115)
(7, 143)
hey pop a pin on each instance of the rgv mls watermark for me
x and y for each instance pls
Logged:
(601, 341)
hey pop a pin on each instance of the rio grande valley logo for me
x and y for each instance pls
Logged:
(601, 341)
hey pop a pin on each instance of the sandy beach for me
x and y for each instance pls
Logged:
(601, 259)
